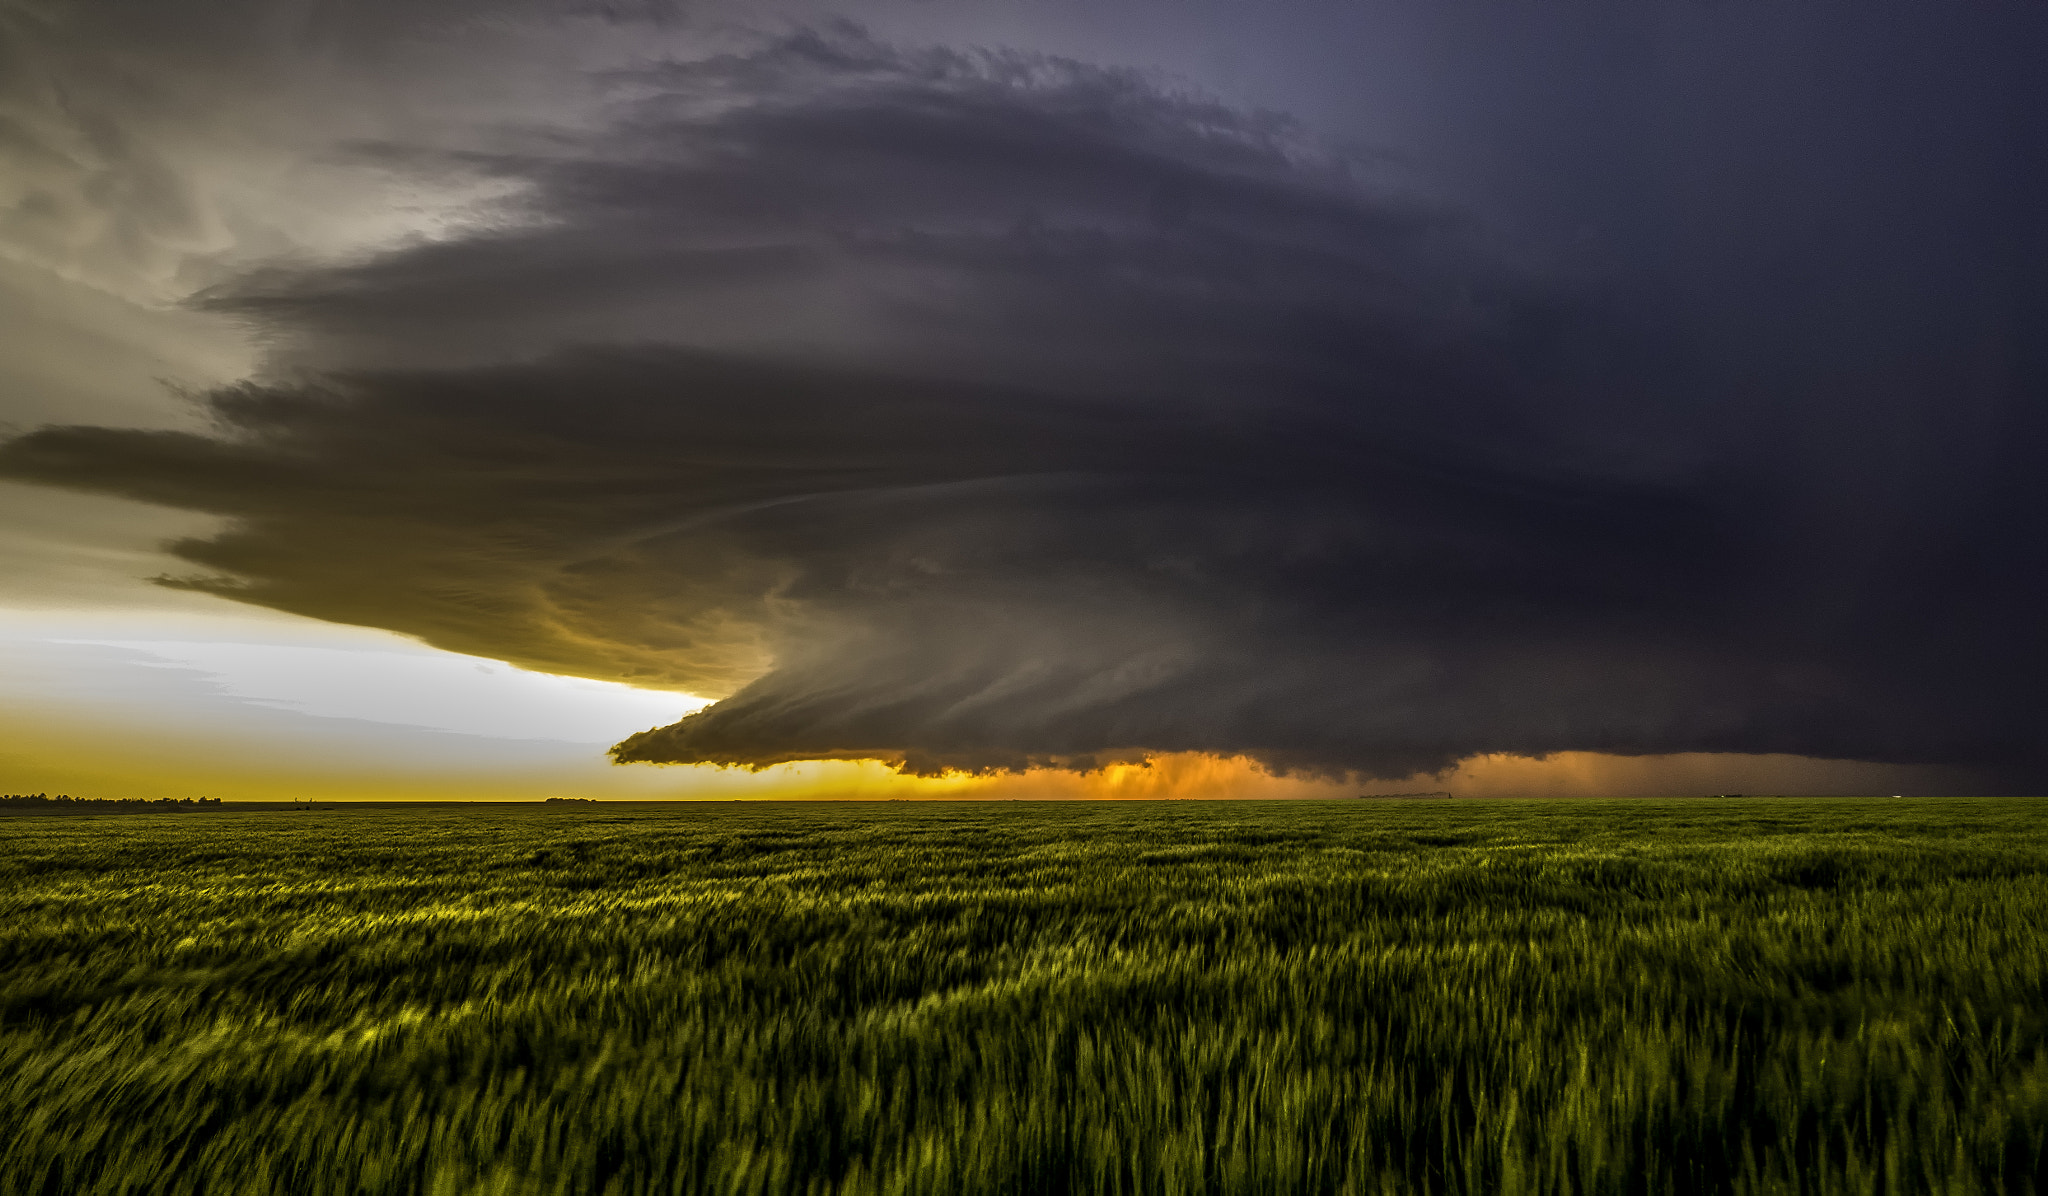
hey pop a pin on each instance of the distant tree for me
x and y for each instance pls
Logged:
(107, 804)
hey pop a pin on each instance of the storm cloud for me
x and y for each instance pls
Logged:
(984, 410)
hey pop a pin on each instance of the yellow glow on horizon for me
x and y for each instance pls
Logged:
(47, 755)
(1206, 776)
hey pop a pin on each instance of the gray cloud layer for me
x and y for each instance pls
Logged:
(977, 410)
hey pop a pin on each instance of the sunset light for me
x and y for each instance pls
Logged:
(1023, 597)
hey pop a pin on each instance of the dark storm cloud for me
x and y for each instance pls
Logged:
(979, 410)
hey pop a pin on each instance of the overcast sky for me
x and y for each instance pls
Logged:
(1307, 396)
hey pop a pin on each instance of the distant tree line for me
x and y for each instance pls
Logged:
(66, 801)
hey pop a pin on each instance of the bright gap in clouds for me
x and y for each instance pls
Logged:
(227, 659)
(415, 686)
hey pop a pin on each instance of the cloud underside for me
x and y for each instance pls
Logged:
(977, 412)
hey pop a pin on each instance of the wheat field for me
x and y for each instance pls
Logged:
(1737, 995)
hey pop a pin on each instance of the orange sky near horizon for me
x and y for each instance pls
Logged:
(165, 766)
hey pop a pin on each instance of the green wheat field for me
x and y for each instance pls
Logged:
(1705, 995)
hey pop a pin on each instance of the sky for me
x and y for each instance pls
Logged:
(500, 399)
